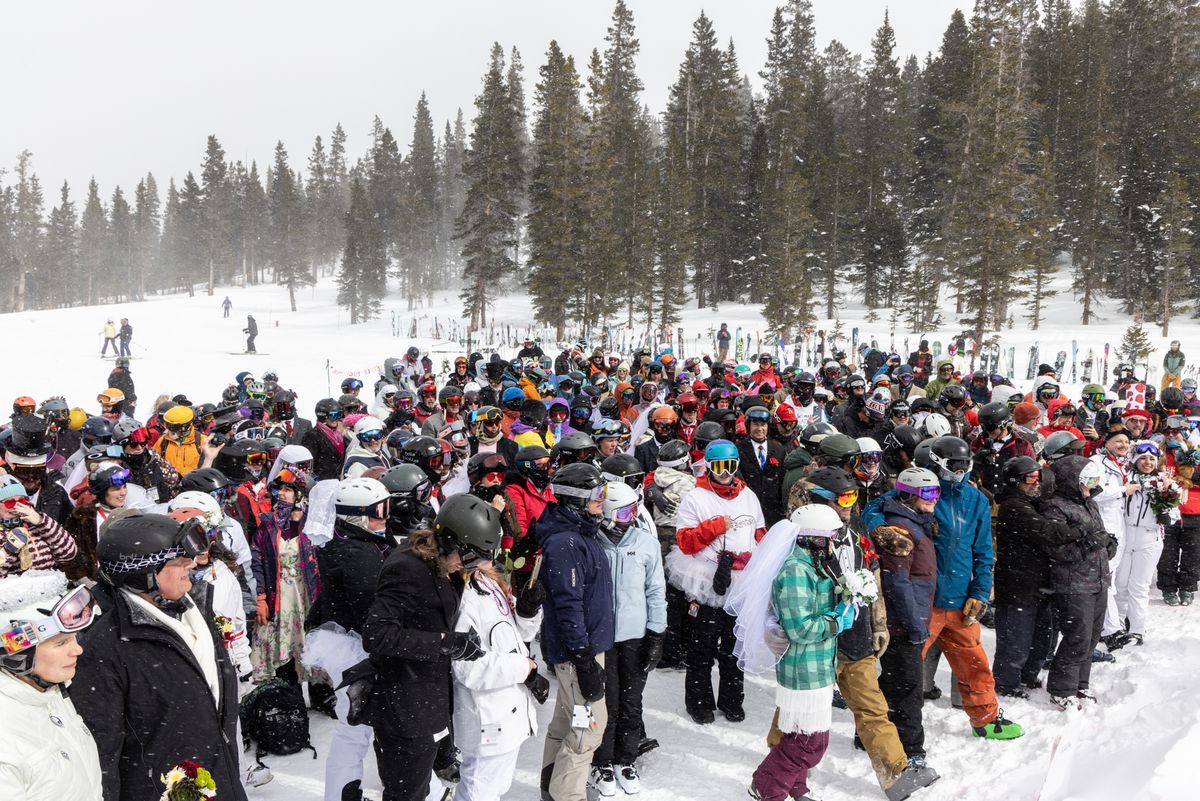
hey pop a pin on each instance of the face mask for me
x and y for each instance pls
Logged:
(955, 476)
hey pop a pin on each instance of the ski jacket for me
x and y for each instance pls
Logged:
(494, 712)
(327, 457)
(525, 435)
(121, 379)
(528, 502)
(963, 544)
(803, 598)
(1111, 499)
(639, 587)
(184, 456)
(1077, 568)
(909, 579)
(1173, 362)
(987, 460)
(146, 696)
(359, 460)
(49, 754)
(349, 567)
(1026, 540)
(674, 485)
(413, 609)
(579, 587)
(702, 536)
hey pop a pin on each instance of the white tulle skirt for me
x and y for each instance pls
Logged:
(332, 649)
(804, 711)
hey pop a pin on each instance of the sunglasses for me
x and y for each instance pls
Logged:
(374, 435)
(13, 503)
(924, 493)
(74, 612)
(723, 467)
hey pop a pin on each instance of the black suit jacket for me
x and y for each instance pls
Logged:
(766, 482)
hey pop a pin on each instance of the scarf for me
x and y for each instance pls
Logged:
(334, 437)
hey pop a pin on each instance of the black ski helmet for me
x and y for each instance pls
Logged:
(952, 457)
(993, 416)
(574, 447)
(325, 407)
(469, 525)
(707, 432)
(625, 468)
(527, 458)
(674, 454)
(902, 438)
(575, 485)
(134, 546)
(812, 435)
(481, 464)
(408, 486)
(952, 395)
(205, 479)
(832, 479)
(425, 453)
(1015, 469)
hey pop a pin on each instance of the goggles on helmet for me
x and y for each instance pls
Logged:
(843, 499)
(374, 435)
(1147, 448)
(924, 493)
(73, 612)
(723, 467)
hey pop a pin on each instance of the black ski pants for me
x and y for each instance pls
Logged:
(678, 624)
(900, 682)
(624, 683)
(1079, 617)
(711, 640)
(1179, 565)
(1024, 636)
(405, 763)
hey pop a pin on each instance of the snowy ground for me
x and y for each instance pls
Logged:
(1136, 745)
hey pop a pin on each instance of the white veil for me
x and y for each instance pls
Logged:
(750, 598)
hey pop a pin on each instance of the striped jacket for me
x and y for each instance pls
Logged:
(804, 602)
(50, 548)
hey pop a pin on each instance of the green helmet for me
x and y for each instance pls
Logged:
(837, 449)
(1092, 389)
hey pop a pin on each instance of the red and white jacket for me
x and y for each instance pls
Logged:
(702, 535)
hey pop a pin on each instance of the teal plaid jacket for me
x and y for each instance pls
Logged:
(804, 603)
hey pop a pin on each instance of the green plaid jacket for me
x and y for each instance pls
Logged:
(804, 602)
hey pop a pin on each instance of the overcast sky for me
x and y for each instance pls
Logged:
(116, 88)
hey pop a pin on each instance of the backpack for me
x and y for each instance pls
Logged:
(274, 716)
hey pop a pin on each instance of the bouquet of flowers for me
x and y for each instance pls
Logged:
(188, 781)
(225, 626)
(859, 586)
(1164, 494)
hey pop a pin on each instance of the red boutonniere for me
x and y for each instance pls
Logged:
(772, 461)
(868, 548)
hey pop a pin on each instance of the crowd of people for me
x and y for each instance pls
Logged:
(427, 556)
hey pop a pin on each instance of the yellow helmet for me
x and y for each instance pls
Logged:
(178, 415)
(78, 418)
(110, 396)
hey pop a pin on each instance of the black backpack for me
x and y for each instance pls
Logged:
(275, 718)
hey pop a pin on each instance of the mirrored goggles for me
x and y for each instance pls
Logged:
(626, 514)
(73, 612)
(374, 435)
(842, 499)
(924, 493)
(334, 415)
(721, 467)
(120, 478)
(256, 459)
(1144, 448)
(1091, 482)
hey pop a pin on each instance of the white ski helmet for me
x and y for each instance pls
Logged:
(368, 424)
(816, 520)
(35, 606)
(620, 507)
(209, 509)
(935, 425)
(868, 445)
(1001, 393)
(915, 479)
(361, 497)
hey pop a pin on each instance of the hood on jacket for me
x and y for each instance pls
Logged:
(797, 458)
(1066, 476)
(944, 363)
(921, 521)
(560, 402)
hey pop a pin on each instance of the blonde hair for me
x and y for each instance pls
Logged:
(490, 571)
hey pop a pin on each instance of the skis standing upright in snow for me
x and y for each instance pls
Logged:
(1104, 381)
(1074, 360)
(1031, 370)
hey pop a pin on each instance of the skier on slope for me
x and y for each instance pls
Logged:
(251, 331)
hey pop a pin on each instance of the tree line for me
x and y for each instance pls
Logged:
(1038, 131)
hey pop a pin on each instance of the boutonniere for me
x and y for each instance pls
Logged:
(772, 461)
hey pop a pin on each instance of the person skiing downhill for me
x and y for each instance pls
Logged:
(251, 331)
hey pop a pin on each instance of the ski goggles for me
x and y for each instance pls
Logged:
(924, 493)
(179, 429)
(221, 495)
(1147, 448)
(489, 415)
(870, 458)
(334, 415)
(73, 612)
(373, 435)
(13, 503)
(626, 514)
(256, 459)
(843, 499)
(723, 467)
(119, 478)
(1090, 482)
(352, 384)
(597, 493)
(287, 476)
(558, 414)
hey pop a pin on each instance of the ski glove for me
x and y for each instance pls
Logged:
(1112, 547)
(590, 675)
(537, 684)
(776, 638)
(652, 651)
(1095, 540)
(843, 615)
(892, 540)
(530, 599)
(972, 610)
(724, 575)
(462, 645)
(660, 502)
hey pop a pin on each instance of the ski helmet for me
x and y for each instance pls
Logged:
(993, 416)
(918, 482)
(470, 526)
(35, 606)
(674, 454)
(533, 463)
(952, 457)
(812, 435)
(706, 432)
(620, 508)
(425, 453)
(624, 468)
(817, 525)
(135, 545)
(1019, 470)
(935, 425)
(481, 464)
(574, 447)
(576, 485)
(837, 450)
(408, 486)
(361, 497)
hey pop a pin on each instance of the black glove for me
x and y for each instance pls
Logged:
(462, 645)
(724, 575)
(1112, 547)
(538, 685)
(1095, 540)
(652, 651)
(659, 501)
(1163, 519)
(530, 599)
(590, 674)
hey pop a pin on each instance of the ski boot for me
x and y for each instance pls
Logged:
(1171, 598)
(1186, 598)
(916, 776)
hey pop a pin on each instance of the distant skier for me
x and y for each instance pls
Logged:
(723, 338)
(226, 305)
(126, 335)
(1173, 363)
(251, 331)
(110, 338)
(121, 379)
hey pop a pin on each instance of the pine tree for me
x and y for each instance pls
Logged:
(362, 279)
(704, 139)
(326, 230)
(216, 213)
(493, 172)
(422, 264)
(555, 222)
(120, 270)
(62, 252)
(288, 257)
(28, 231)
(146, 231)
(1177, 232)
(189, 258)
(1040, 251)
(93, 242)
(514, 84)
(1135, 343)
(453, 190)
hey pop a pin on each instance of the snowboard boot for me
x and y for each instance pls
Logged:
(1170, 598)
(933, 693)
(999, 728)
(914, 777)
(1134, 639)
(352, 791)
(1086, 695)
(646, 745)
(988, 619)
(1012, 692)
(702, 716)
(1064, 702)
(322, 699)
(735, 714)
(1102, 656)
(1115, 641)
(1186, 597)
(603, 780)
(838, 701)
